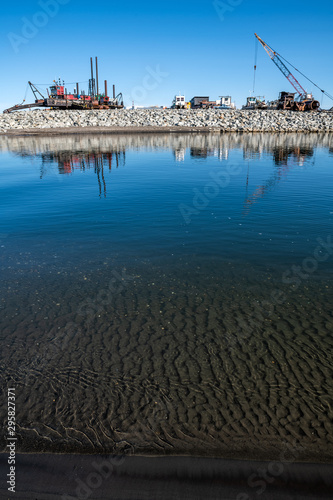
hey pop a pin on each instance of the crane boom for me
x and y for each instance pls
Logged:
(35, 91)
(282, 67)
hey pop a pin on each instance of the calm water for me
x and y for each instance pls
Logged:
(169, 294)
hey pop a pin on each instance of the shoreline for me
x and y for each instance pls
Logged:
(145, 130)
(109, 130)
(69, 477)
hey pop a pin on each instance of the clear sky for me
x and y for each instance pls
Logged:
(153, 50)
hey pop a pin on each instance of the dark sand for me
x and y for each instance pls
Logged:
(176, 363)
(69, 477)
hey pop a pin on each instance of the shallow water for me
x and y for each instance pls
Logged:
(169, 294)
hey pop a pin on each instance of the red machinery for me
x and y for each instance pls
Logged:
(59, 98)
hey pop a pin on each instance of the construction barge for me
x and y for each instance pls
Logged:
(58, 97)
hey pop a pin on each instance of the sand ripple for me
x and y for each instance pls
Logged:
(175, 363)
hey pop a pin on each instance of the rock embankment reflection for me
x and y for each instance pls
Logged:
(104, 152)
(253, 145)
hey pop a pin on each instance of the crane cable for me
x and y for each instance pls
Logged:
(73, 83)
(321, 90)
(43, 87)
(25, 95)
(255, 63)
(49, 84)
(39, 87)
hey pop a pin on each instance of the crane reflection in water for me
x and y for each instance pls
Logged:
(100, 152)
(69, 162)
(285, 159)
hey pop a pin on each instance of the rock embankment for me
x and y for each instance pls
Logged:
(214, 119)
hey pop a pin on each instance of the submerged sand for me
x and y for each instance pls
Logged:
(176, 363)
(174, 357)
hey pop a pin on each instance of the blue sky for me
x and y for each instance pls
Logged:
(151, 50)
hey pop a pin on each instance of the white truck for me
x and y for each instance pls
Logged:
(178, 102)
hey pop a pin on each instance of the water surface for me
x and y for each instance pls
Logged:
(169, 294)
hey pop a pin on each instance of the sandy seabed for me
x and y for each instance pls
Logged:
(169, 363)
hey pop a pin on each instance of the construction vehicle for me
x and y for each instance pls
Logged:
(255, 103)
(207, 104)
(179, 102)
(304, 101)
(58, 97)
